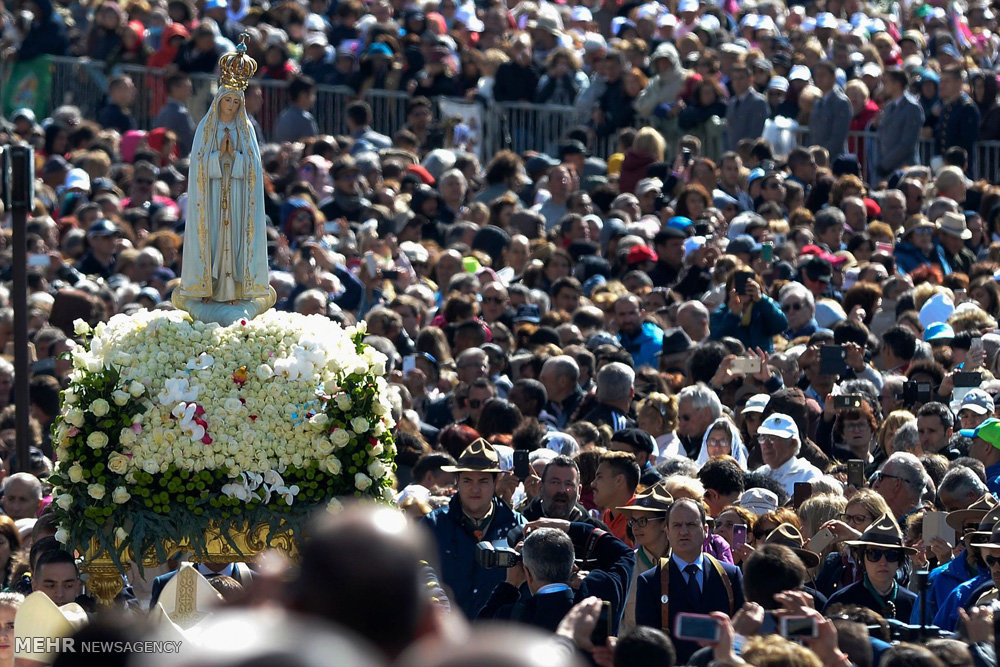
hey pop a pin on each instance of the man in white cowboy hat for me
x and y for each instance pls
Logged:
(38, 626)
(474, 515)
(952, 233)
(780, 443)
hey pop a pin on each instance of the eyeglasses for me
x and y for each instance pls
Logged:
(643, 521)
(991, 560)
(854, 519)
(890, 555)
(879, 476)
(797, 305)
(493, 299)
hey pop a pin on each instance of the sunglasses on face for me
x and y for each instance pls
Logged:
(879, 476)
(890, 555)
(493, 299)
(785, 307)
(642, 521)
(991, 560)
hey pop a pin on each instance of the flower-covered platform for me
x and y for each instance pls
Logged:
(173, 428)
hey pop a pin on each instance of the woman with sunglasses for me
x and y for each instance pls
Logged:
(916, 247)
(840, 568)
(647, 519)
(881, 552)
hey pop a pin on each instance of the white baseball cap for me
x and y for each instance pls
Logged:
(759, 501)
(780, 426)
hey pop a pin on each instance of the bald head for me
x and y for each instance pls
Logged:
(22, 496)
(362, 569)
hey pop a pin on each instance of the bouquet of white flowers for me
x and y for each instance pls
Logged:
(170, 425)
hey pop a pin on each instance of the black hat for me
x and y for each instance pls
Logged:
(676, 341)
(580, 249)
(572, 147)
(539, 163)
(846, 164)
(491, 240)
(544, 336)
(818, 268)
(635, 438)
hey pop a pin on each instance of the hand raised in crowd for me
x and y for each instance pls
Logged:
(749, 619)
(841, 530)
(978, 623)
(579, 623)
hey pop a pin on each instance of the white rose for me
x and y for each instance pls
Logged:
(136, 389)
(95, 491)
(74, 417)
(64, 501)
(75, 473)
(80, 327)
(62, 536)
(378, 449)
(265, 372)
(340, 437)
(121, 533)
(331, 387)
(344, 402)
(150, 466)
(120, 495)
(360, 425)
(97, 439)
(120, 397)
(100, 407)
(232, 405)
(332, 464)
(319, 420)
(69, 396)
(118, 463)
(376, 469)
(362, 481)
(93, 364)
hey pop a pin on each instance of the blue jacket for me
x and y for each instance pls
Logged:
(470, 584)
(993, 478)
(908, 257)
(645, 345)
(947, 616)
(766, 321)
(942, 581)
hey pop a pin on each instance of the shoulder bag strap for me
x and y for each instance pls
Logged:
(665, 595)
(725, 582)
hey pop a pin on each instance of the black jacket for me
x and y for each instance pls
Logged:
(860, 595)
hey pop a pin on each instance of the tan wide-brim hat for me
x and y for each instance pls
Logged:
(654, 500)
(976, 511)
(788, 535)
(480, 456)
(884, 533)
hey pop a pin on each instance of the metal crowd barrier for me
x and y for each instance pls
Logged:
(516, 126)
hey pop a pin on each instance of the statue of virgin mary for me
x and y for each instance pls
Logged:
(224, 275)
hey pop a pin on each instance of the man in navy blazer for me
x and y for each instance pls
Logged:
(746, 110)
(899, 126)
(715, 586)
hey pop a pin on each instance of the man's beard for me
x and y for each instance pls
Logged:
(559, 507)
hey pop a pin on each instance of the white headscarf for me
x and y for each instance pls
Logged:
(738, 449)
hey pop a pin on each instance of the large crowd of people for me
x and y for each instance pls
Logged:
(726, 393)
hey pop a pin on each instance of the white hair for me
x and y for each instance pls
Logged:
(702, 396)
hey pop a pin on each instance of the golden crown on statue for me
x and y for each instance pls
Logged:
(236, 69)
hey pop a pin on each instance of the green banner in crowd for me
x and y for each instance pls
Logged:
(29, 86)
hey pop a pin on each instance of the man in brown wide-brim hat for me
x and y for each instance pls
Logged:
(474, 515)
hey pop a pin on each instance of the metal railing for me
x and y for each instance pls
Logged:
(511, 125)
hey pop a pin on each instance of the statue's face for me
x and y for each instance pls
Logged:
(229, 105)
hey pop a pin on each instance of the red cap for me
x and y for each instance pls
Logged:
(874, 210)
(819, 252)
(424, 175)
(641, 253)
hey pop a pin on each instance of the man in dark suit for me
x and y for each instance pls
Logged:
(831, 116)
(899, 126)
(537, 591)
(238, 571)
(697, 583)
(958, 124)
(746, 110)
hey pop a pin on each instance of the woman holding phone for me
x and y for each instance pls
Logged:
(841, 568)
(748, 314)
